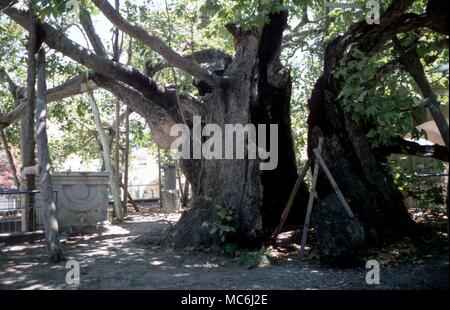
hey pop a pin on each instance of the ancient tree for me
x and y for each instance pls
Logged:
(252, 86)
(347, 150)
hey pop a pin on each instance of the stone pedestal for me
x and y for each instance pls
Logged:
(82, 198)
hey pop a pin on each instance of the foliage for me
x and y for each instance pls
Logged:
(386, 104)
(223, 225)
(247, 258)
(251, 259)
(418, 179)
(383, 101)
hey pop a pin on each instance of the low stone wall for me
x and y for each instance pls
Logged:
(82, 198)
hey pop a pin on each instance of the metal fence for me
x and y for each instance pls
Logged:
(144, 191)
(19, 211)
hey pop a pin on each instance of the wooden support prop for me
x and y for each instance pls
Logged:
(126, 159)
(319, 162)
(159, 178)
(179, 180)
(116, 170)
(290, 202)
(312, 194)
(113, 181)
(48, 204)
(185, 193)
(130, 198)
(333, 183)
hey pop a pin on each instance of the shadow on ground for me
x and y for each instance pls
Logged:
(112, 260)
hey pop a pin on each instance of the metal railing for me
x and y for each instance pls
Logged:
(19, 211)
(144, 191)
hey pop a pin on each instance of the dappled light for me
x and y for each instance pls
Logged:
(224, 145)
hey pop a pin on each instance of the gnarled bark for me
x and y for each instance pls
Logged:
(358, 169)
(259, 93)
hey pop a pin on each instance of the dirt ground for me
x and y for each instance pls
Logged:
(113, 260)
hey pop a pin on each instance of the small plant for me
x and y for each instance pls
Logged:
(222, 226)
(230, 249)
(251, 259)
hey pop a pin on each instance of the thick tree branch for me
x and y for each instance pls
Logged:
(411, 63)
(4, 77)
(141, 94)
(213, 56)
(246, 46)
(88, 26)
(71, 87)
(114, 70)
(157, 45)
(159, 119)
(392, 22)
(12, 116)
(402, 146)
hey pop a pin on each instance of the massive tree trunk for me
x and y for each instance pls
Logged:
(259, 94)
(380, 212)
(273, 106)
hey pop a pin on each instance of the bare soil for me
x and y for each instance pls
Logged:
(112, 259)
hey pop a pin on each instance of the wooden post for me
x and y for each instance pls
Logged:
(116, 57)
(179, 181)
(159, 177)
(130, 198)
(333, 183)
(10, 158)
(50, 221)
(113, 181)
(27, 140)
(126, 194)
(319, 162)
(290, 202)
(312, 195)
(185, 193)
(117, 144)
(126, 155)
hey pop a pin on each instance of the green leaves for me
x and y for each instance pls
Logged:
(222, 226)
(416, 181)
(56, 8)
(384, 99)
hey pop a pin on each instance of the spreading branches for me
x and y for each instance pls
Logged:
(71, 87)
(411, 63)
(86, 23)
(157, 45)
(100, 64)
(217, 58)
